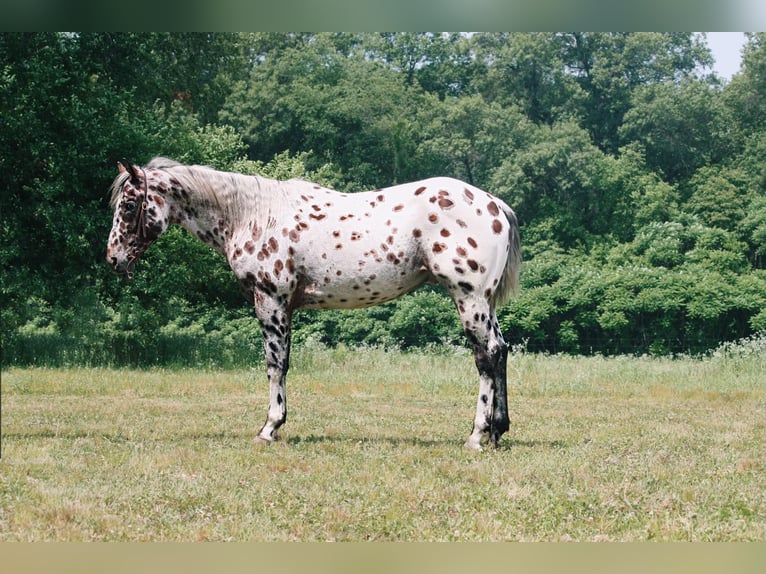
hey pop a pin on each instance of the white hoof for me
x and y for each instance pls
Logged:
(473, 445)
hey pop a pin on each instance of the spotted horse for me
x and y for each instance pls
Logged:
(297, 245)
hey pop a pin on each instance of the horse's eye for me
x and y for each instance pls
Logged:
(130, 206)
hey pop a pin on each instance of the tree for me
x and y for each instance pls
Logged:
(346, 109)
(441, 64)
(526, 70)
(63, 127)
(681, 126)
(469, 138)
(192, 68)
(556, 183)
(746, 93)
(609, 67)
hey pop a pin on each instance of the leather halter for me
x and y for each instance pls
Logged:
(140, 227)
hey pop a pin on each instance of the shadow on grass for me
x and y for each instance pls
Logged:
(415, 441)
(118, 438)
(533, 444)
(394, 441)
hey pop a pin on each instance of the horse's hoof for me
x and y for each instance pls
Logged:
(261, 441)
(474, 446)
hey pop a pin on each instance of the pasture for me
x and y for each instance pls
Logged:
(600, 449)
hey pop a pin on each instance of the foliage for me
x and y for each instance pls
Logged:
(639, 181)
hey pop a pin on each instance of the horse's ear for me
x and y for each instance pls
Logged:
(125, 166)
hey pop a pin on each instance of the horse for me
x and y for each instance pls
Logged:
(298, 245)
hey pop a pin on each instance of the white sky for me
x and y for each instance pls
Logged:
(726, 48)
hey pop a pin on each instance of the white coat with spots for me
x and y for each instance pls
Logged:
(297, 245)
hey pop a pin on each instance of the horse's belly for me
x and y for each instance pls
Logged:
(363, 286)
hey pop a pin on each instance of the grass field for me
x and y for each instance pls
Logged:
(599, 449)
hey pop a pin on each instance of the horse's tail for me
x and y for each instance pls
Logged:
(509, 282)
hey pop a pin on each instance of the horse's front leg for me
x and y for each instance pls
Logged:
(274, 314)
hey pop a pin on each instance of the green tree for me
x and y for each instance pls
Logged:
(441, 64)
(681, 126)
(609, 67)
(719, 196)
(746, 93)
(556, 184)
(468, 137)
(345, 108)
(194, 69)
(526, 70)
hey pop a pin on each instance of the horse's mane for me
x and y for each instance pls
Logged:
(236, 195)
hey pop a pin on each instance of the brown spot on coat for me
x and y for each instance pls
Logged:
(278, 267)
(497, 227)
(419, 190)
(493, 209)
(472, 242)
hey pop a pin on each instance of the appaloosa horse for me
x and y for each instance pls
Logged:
(297, 245)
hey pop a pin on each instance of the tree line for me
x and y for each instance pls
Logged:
(637, 175)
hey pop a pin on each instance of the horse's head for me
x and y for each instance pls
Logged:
(140, 217)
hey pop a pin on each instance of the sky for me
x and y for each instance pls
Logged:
(726, 48)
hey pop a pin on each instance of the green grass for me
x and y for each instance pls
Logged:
(599, 449)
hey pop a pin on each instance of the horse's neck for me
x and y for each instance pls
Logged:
(215, 219)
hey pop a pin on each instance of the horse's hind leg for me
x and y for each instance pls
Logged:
(275, 319)
(490, 354)
(500, 419)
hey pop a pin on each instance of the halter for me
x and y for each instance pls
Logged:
(141, 225)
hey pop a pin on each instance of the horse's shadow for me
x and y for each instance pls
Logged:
(395, 441)
(506, 445)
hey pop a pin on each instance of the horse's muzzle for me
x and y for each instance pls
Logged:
(121, 266)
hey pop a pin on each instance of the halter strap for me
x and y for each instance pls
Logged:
(141, 226)
(141, 231)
